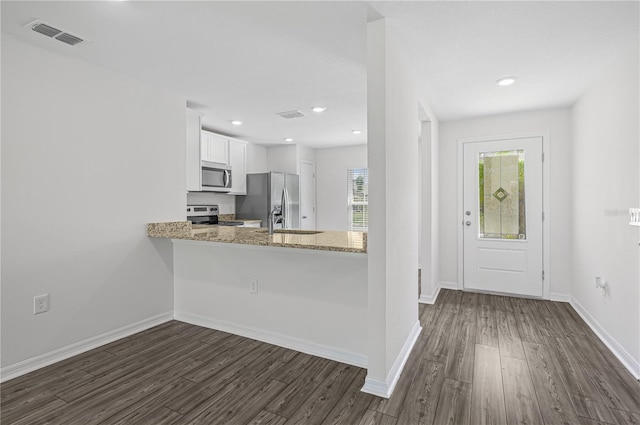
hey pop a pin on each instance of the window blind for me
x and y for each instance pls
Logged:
(358, 199)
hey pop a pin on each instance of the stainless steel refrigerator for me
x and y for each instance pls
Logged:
(274, 191)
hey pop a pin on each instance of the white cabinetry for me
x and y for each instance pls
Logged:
(203, 145)
(194, 174)
(214, 148)
(238, 163)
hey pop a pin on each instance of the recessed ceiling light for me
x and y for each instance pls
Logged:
(506, 81)
(356, 131)
(236, 122)
(288, 139)
(318, 108)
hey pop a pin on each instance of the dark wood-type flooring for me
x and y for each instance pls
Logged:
(481, 359)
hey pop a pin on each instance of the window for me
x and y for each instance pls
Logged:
(358, 199)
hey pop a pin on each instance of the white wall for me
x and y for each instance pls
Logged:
(256, 159)
(392, 132)
(429, 229)
(331, 184)
(283, 158)
(605, 185)
(89, 158)
(318, 306)
(305, 153)
(286, 158)
(557, 122)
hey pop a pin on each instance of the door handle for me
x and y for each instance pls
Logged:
(283, 202)
(226, 179)
(304, 216)
(468, 223)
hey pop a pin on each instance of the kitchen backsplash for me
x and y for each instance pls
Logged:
(226, 203)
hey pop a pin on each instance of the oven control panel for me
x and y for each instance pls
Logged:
(202, 210)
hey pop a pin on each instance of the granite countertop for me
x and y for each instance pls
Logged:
(341, 241)
(238, 221)
(231, 218)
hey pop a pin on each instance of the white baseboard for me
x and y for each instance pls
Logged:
(449, 285)
(385, 388)
(557, 296)
(618, 350)
(331, 353)
(46, 359)
(431, 298)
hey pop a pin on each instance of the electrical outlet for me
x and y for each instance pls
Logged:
(253, 286)
(41, 304)
(601, 284)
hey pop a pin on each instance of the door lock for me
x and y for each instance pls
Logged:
(468, 213)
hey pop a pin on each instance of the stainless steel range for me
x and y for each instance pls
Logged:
(208, 215)
(202, 214)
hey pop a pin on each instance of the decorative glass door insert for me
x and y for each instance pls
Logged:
(501, 227)
(501, 195)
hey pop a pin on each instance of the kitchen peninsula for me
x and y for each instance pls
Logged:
(303, 290)
(341, 241)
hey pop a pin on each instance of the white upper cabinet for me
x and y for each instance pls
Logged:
(194, 174)
(214, 148)
(238, 162)
(203, 145)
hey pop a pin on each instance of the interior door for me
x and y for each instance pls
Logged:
(292, 185)
(307, 195)
(502, 219)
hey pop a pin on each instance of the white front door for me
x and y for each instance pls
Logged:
(307, 195)
(502, 218)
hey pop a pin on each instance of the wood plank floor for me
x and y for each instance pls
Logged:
(481, 359)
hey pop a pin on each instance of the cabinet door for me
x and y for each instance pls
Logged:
(238, 162)
(219, 149)
(215, 148)
(205, 142)
(194, 173)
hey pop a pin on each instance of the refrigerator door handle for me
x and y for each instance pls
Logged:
(285, 207)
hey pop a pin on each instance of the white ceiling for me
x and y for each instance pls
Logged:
(250, 60)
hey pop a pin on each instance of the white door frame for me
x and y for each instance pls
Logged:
(546, 283)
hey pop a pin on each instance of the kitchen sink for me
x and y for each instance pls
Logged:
(297, 231)
(294, 231)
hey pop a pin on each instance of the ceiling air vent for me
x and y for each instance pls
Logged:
(290, 114)
(56, 33)
(46, 29)
(69, 39)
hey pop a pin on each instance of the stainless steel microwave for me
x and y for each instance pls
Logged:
(216, 177)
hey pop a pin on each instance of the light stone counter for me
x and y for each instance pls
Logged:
(340, 241)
